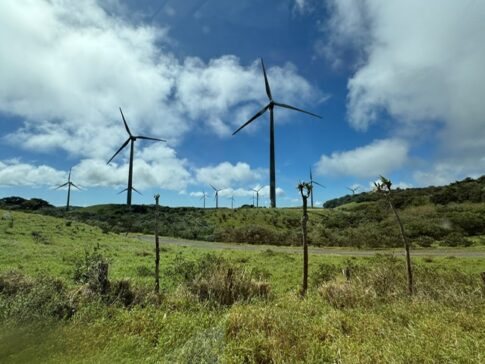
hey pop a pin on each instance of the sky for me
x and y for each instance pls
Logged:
(399, 86)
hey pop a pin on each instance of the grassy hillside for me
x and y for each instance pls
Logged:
(230, 307)
(363, 220)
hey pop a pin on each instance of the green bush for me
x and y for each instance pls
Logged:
(92, 269)
(212, 278)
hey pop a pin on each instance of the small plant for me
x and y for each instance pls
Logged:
(323, 273)
(40, 238)
(92, 270)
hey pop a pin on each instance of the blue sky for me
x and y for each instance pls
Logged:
(399, 86)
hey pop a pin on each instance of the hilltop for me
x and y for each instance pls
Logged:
(467, 190)
(452, 215)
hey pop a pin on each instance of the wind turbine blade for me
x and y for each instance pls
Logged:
(69, 177)
(257, 115)
(119, 150)
(215, 189)
(65, 184)
(119, 193)
(124, 121)
(349, 189)
(311, 178)
(148, 138)
(315, 182)
(134, 189)
(297, 109)
(260, 188)
(72, 184)
(268, 90)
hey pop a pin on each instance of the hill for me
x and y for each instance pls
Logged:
(468, 190)
(452, 215)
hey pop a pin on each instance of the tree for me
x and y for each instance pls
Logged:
(384, 186)
(305, 189)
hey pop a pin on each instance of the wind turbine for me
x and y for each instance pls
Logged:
(131, 139)
(270, 106)
(204, 196)
(312, 181)
(232, 201)
(257, 195)
(68, 184)
(353, 189)
(216, 195)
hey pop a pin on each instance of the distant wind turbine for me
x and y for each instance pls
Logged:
(68, 184)
(204, 196)
(270, 106)
(353, 189)
(257, 195)
(312, 181)
(216, 195)
(232, 201)
(131, 139)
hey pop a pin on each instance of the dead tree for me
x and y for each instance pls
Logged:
(157, 247)
(384, 186)
(305, 191)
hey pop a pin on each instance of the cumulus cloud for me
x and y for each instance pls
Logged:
(66, 66)
(159, 167)
(450, 170)
(15, 173)
(421, 63)
(225, 174)
(379, 157)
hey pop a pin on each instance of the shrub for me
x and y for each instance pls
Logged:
(144, 271)
(345, 295)
(213, 278)
(39, 238)
(33, 298)
(456, 239)
(324, 273)
(92, 270)
(424, 241)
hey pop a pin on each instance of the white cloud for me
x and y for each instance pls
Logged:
(225, 174)
(379, 157)
(450, 170)
(15, 173)
(159, 168)
(422, 63)
(198, 194)
(66, 66)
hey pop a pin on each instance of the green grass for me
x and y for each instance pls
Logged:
(444, 323)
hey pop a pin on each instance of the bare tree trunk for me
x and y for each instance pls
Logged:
(406, 246)
(304, 220)
(157, 247)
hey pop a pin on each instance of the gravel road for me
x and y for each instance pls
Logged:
(441, 252)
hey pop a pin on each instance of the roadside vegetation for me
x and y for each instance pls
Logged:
(453, 215)
(58, 303)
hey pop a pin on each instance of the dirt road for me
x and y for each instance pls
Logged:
(441, 252)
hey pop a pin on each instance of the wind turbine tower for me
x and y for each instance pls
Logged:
(270, 106)
(353, 189)
(312, 181)
(68, 184)
(204, 196)
(257, 195)
(131, 139)
(216, 195)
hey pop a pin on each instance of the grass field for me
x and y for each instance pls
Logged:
(49, 317)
